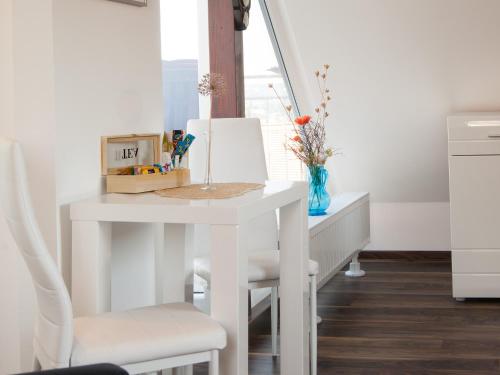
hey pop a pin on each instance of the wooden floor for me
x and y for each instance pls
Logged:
(398, 319)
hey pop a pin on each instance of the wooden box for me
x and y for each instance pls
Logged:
(122, 152)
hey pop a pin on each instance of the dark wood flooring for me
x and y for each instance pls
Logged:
(398, 319)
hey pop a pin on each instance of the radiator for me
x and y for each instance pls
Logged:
(335, 238)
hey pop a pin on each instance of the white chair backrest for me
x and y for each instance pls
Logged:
(53, 338)
(237, 156)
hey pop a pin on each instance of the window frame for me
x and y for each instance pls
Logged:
(279, 56)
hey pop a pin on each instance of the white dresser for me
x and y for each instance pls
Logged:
(474, 166)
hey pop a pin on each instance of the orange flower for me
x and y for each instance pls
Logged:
(303, 120)
(297, 139)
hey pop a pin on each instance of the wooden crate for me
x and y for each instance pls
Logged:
(125, 151)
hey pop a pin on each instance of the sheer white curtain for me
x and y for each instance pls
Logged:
(261, 69)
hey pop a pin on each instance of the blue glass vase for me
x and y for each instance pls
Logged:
(319, 199)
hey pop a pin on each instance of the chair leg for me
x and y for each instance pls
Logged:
(249, 303)
(205, 306)
(314, 328)
(213, 365)
(274, 320)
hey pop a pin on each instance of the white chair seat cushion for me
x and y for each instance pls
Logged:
(262, 266)
(145, 334)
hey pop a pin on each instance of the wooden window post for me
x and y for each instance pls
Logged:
(226, 58)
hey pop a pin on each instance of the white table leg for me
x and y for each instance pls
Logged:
(229, 286)
(91, 267)
(173, 270)
(274, 321)
(189, 256)
(294, 289)
(170, 263)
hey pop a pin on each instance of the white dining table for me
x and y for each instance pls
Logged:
(228, 218)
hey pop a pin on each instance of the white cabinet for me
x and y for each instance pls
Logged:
(475, 201)
(474, 167)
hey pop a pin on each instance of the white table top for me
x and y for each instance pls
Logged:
(150, 207)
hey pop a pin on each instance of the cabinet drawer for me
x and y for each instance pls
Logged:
(475, 202)
(475, 261)
(476, 285)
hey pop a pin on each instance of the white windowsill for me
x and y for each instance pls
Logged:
(341, 205)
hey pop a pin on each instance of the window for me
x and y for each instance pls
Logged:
(262, 67)
(184, 42)
(183, 59)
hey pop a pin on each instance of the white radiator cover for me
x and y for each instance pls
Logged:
(333, 240)
(336, 237)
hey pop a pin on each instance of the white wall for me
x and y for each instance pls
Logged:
(6, 66)
(25, 84)
(80, 69)
(108, 81)
(9, 321)
(410, 226)
(33, 106)
(9, 335)
(399, 67)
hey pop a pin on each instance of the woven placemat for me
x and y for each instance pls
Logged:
(221, 191)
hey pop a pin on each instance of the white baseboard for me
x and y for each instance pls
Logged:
(410, 226)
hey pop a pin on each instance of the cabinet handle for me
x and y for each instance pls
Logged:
(493, 135)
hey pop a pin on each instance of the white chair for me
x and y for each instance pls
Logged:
(238, 156)
(140, 340)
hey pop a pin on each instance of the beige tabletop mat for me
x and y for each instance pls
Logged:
(221, 191)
